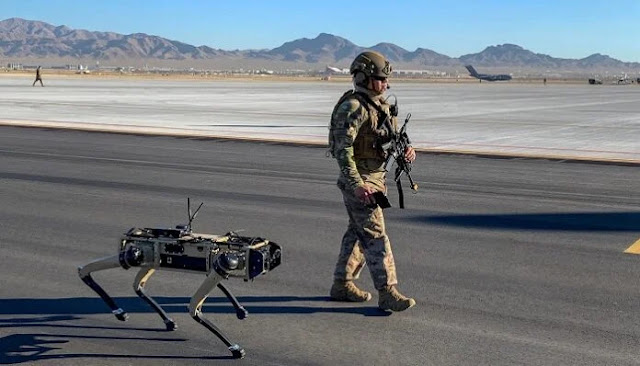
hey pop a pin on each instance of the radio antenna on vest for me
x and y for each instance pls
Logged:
(394, 107)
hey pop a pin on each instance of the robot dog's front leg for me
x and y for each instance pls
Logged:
(138, 286)
(195, 307)
(241, 312)
(98, 265)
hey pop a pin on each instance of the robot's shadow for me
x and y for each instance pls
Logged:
(41, 346)
(178, 304)
(28, 313)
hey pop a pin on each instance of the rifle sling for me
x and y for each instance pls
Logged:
(367, 99)
(400, 193)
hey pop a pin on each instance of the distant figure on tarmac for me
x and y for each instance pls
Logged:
(38, 77)
(544, 81)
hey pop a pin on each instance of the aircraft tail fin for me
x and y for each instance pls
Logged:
(472, 71)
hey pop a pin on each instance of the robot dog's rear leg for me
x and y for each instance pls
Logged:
(195, 307)
(241, 312)
(138, 286)
(98, 265)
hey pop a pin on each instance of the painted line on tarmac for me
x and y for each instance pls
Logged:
(634, 248)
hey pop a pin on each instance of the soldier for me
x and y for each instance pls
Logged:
(356, 133)
(38, 77)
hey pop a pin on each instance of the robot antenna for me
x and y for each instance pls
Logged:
(192, 216)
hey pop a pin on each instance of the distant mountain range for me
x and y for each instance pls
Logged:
(25, 40)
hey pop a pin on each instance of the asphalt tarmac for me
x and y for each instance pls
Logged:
(511, 261)
(558, 121)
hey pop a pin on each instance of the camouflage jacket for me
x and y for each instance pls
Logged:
(354, 139)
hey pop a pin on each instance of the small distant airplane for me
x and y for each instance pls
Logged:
(487, 77)
(594, 81)
(336, 70)
(624, 80)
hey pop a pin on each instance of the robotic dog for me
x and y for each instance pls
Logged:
(179, 249)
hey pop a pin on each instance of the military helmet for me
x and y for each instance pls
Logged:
(371, 63)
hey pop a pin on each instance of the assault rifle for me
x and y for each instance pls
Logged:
(395, 148)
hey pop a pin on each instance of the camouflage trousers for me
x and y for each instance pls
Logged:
(365, 242)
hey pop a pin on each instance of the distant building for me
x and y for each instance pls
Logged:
(420, 73)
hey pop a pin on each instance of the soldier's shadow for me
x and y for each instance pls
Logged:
(549, 221)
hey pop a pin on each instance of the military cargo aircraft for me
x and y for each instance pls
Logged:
(487, 77)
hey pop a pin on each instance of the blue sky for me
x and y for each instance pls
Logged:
(559, 28)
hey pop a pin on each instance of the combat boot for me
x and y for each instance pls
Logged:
(390, 299)
(347, 291)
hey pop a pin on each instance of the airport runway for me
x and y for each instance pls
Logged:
(590, 122)
(512, 261)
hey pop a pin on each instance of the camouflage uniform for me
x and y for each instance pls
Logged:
(355, 133)
(360, 123)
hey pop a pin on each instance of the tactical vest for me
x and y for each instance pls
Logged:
(371, 135)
